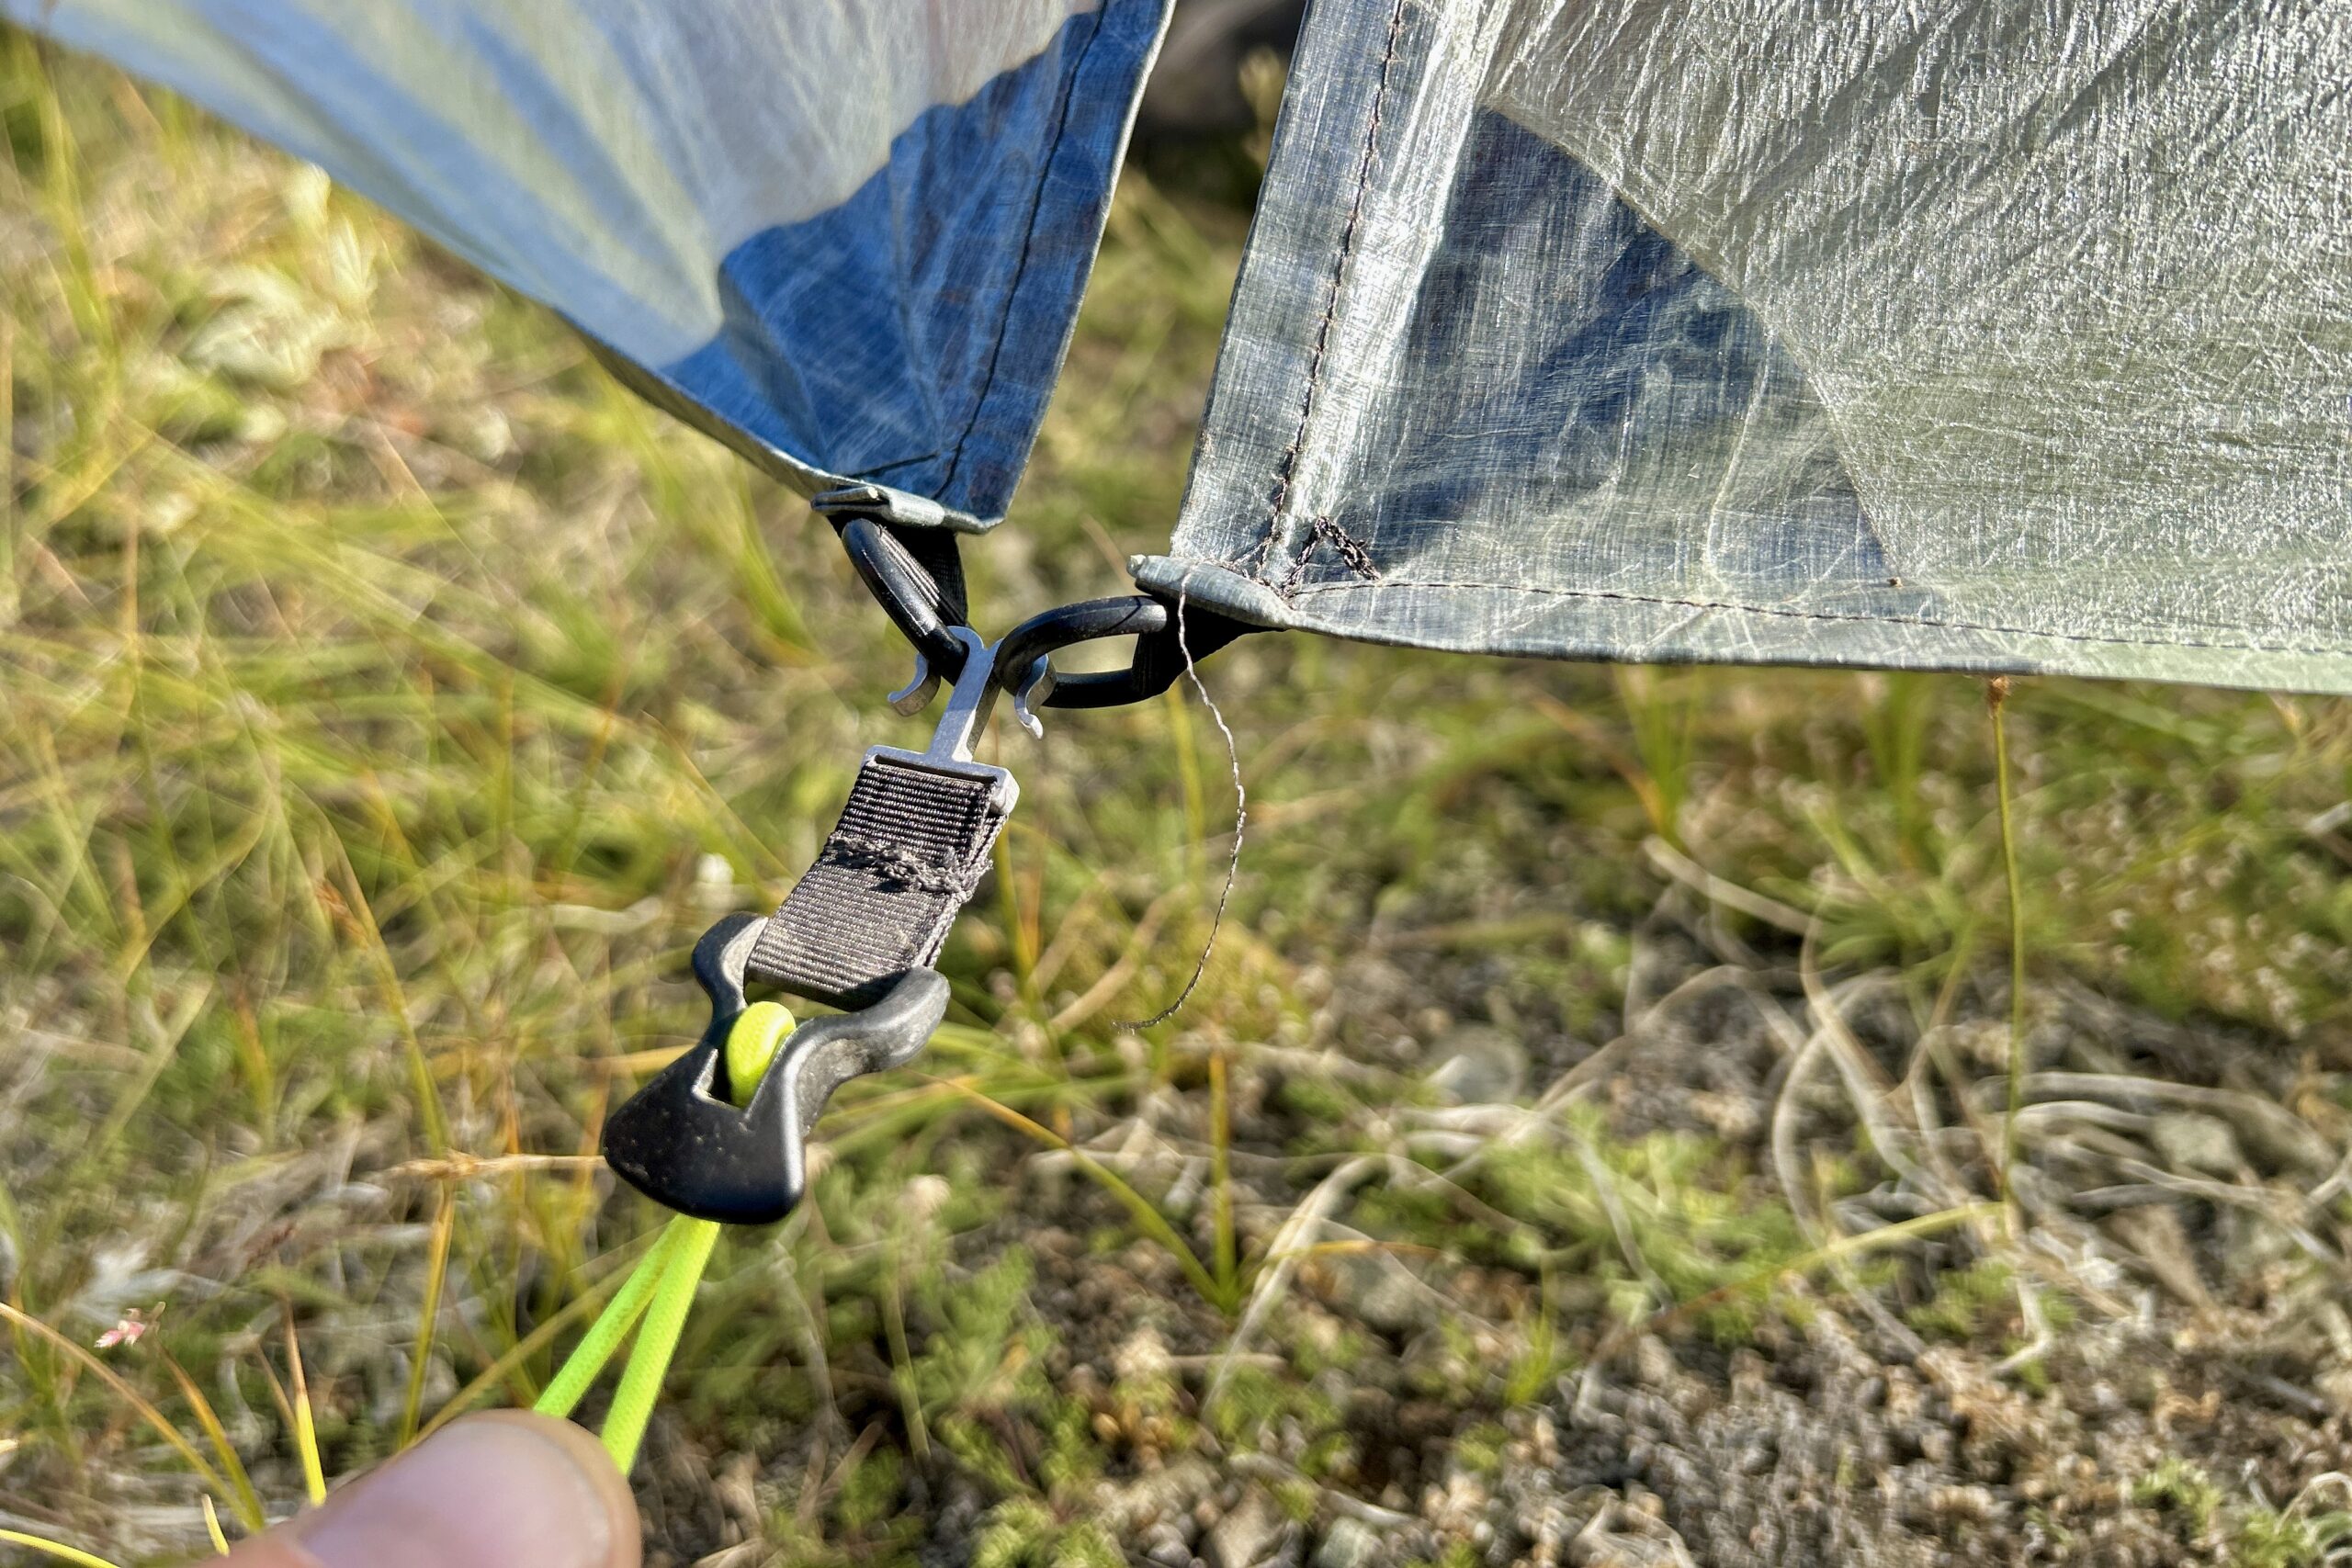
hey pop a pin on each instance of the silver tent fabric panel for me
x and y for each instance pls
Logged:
(2013, 335)
(848, 236)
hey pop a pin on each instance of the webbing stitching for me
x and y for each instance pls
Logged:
(909, 849)
(925, 874)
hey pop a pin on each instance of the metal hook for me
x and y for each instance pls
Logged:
(915, 695)
(970, 700)
(1035, 688)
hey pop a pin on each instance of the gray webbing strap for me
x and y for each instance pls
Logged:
(913, 843)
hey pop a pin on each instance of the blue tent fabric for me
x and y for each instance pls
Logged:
(847, 236)
(988, 213)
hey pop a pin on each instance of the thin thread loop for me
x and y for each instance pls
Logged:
(1240, 827)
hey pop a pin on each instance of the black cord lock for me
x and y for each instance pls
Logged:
(683, 1142)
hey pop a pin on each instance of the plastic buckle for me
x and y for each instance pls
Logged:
(681, 1142)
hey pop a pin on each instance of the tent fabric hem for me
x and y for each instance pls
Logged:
(809, 483)
(1593, 625)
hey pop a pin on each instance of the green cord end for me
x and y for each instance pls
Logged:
(662, 1288)
(751, 1045)
(657, 1339)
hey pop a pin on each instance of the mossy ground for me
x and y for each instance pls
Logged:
(1613, 1061)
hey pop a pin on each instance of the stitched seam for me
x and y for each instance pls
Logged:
(898, 864)
(1345, 546)
(1820, 616)
(873, 470)
(1364, 166)
(1071, 96)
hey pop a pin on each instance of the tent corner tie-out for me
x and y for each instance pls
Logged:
(719, 1135)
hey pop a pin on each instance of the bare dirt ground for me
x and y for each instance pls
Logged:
(2086, 1390)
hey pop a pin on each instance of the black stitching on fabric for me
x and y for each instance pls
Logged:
(1345, 546)
(1822, 616)
(874, 470)
(1071, 96)
(1364, 167)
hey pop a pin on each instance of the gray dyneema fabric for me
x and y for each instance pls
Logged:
(2009, 335)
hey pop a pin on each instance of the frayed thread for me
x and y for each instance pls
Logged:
(1240, 826)
(897, 864)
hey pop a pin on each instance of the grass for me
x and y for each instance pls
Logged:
(2256, 1535)
(392, 699)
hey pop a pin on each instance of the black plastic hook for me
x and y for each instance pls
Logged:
(1024, 664)
(909, 595)
(681, 1142)
(917, 607)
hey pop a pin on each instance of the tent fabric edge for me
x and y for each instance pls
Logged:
(895, 506)
(1081, 168)
(1597, 625)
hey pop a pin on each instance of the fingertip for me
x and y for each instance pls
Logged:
(580, 1447)
(504, 1489)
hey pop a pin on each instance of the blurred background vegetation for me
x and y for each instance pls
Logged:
(1588, 1144)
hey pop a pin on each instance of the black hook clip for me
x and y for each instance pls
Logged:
(1164, 645)
(1167, 638)
(681, 1142)
(916, 604)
